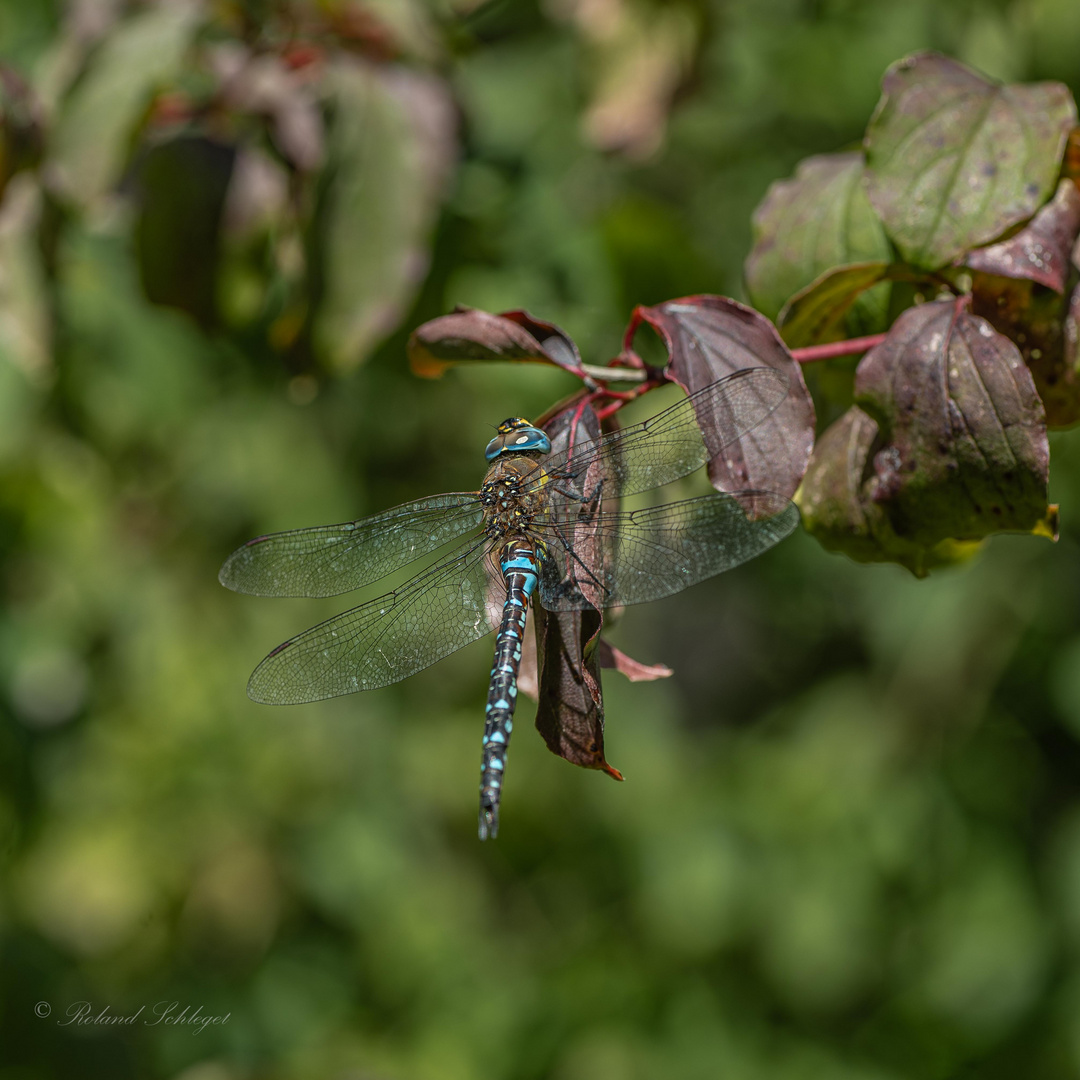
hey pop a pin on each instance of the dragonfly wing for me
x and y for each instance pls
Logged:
(671, 445)
(630, 558)
(388, 638)
(332, 559)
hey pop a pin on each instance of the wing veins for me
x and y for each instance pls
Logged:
(308, 653)
(302, 562)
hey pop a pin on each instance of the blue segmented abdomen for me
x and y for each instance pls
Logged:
(520, 570)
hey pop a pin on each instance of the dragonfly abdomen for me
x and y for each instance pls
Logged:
(520, 570)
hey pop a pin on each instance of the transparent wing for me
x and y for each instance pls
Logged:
(630, 558)
(332, 559)
(387, 639)
(671, 445)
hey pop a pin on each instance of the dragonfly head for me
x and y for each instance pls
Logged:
(517, 436)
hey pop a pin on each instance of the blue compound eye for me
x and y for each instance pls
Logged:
(518, 440)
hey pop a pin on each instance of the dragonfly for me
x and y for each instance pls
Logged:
(545, 526)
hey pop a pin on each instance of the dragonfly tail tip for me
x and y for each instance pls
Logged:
(489, 823)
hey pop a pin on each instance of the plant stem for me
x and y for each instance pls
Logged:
(811, 353)
(615, 374)
(807, 355)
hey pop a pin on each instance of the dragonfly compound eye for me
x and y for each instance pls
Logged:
(517, 436)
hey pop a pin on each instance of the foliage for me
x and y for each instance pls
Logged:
(947, 440)
(847, 844)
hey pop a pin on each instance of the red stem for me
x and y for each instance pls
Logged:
(615, 399)
(618, 398)
(812, 353)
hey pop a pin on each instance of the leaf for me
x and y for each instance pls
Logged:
(634, 670)
(557, 344)
(183, 185)
(570, 707)
(819, 220)
(838, 510)
(1036, 320)
(1040, 251)
(469, 334)
(830, 497)
(264, 85)
(391, 144)
(570, 710)
(261, 269)
(27, 372)
(954, 160)
(90, 143)
(1069, 372)
(708, 337)
(389, 26)
(641, 54)
(21, 125)
(815, 315)
(25, 323)
(964, 450)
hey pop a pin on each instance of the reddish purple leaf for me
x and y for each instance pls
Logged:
(556, 342)
(634, 670)
(1040, 251)
(963, 448)
(469, 334)
(1036, 320)
(708, 337)
(1070, 361)
(570, 710)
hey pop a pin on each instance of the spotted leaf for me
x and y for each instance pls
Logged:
(963, 449)
(955, 159)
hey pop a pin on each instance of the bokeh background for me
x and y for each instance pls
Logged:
(848, 844)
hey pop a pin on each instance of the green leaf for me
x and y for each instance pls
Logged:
(964, 448)
(21, 126)
(91, 141)
(805, 226)
(183, 184)
(391, 144)
(816, 314)
(838, 509)
(26, 345)
(954, 160)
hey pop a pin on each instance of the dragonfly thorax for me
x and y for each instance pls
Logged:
(512, 495)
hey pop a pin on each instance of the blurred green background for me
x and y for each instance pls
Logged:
(848, 845)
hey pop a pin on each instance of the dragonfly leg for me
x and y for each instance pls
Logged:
(591, 498)
(518, 563)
